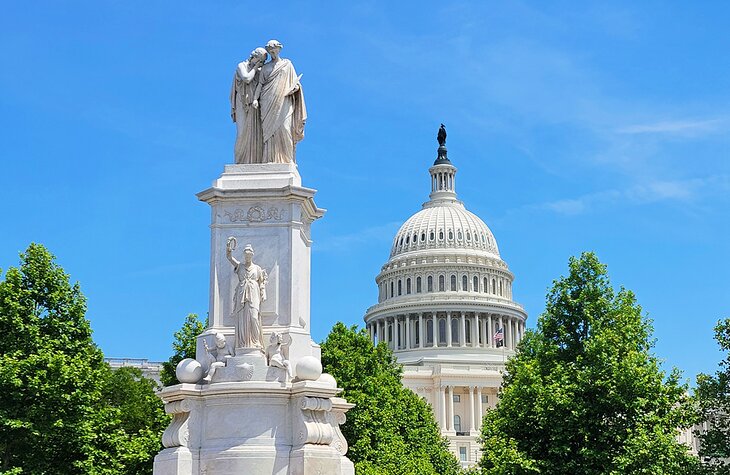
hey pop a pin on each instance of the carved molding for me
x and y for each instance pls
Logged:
(177, 434)
(315, 427)
(256, 214)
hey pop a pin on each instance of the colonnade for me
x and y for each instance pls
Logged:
(471, 423)
(446, 329)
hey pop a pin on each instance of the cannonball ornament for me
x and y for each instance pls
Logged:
(189, 371)
(309, 368)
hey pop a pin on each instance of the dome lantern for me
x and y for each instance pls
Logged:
(443, 173)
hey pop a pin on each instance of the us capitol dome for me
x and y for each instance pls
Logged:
(445, 308)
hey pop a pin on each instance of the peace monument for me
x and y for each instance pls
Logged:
(255, 400)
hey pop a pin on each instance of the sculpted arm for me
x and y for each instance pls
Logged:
(243, 73)
(230, 246)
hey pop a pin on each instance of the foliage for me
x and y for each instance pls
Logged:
(584, 394)
(390, 430)
(183, 346)
(57, 407)
(713, 397)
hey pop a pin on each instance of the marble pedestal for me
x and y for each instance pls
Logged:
(254, 428)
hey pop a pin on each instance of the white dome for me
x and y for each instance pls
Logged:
(444, 226)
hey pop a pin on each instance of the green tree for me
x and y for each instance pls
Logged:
(390, 430)
(584, 394)
(713, 397)
(183, 346)
(61, 404)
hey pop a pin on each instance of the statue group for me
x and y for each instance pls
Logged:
(267, 105)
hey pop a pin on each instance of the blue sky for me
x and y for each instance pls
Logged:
(575, 126)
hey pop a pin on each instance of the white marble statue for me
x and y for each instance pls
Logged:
(280, 99)
(218, 355)
(250, 292)
(275, 351)
(249, 139)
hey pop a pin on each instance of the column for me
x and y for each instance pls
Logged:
(450, 415)
(472, 424)
(462, 336)
(480, 414)
(490, 331)
(442, 409)
(501, 325)
(477, 331)
(434, 323)
(448, 329)
(421, 333)
(408, 331)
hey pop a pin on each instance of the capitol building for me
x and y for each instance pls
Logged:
(445, 308)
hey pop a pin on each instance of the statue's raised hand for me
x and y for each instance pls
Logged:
(231, 244)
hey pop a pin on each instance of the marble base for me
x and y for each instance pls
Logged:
(254, 427)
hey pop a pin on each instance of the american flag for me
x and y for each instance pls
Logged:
(499, 337)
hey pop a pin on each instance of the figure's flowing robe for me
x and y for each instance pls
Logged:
(249, 140)
(282, 114)
(251, 290)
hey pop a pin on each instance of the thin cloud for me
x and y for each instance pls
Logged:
(653, 192)
(680, 127)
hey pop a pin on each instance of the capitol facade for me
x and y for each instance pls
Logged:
(445, 308)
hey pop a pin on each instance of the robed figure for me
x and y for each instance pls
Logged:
(249, 139)
(250, 292)
(280, 100)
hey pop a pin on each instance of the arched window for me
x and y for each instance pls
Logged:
(464, 283)
(453, 282)
(459, 236)
(418, 332)
(432, 236)
(467, 330)
(400, 287)
(486, 286)
(468, 236)
(418, 285)
(408, 239)
(430, 283)
(494, 286)
(391, 289)
(408, 285)
(451, 235)
(442, 283)
(423, 236)
(441, 235)
(500, 287)
(457, 423)
(476, 284)
(442, 331)
(429, 332)
(415, 238)
(454, 331)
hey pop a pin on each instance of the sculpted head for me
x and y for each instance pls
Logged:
(257, 57)
(248, 253)
(273, 47)
(220, 340)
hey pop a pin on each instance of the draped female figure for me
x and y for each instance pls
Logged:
(250, 292)
(280, 99)
(249, 140)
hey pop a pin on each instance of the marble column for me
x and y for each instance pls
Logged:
(462, 331)
(435, 325)
(478, 331)
(421, 334)
(451, 409)
(442, 409)
(472, 424)
(408, 331)
(480, 413)
(448, 329)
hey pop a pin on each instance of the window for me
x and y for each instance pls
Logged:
(453, 283)
(455, 332)
(430, 283)
(391, 289)
(451, 235)
(494, 286)
(467, 330)
(486, 285)
(462, 450)
(442, 283)
(408, 285)
(418, 285)
(432, 236)
(500, 288)
(400, 287)
(485, 399)
(390, 332)
(468, 236)
(459, 236)
(464, 283)
(423, 237)
(418, 332)
(429, 332)
(441, 235)
(457, 398)
(408, 239)
(415, 238)
(442, 331)
(476, 284)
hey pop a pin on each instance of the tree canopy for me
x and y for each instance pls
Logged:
(713, 397)
(584, 394)
(390, 430)
(63, 410)
(183, 347)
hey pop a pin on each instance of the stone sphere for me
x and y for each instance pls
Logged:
(189, 371)
(328, 379)
(309, 368)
